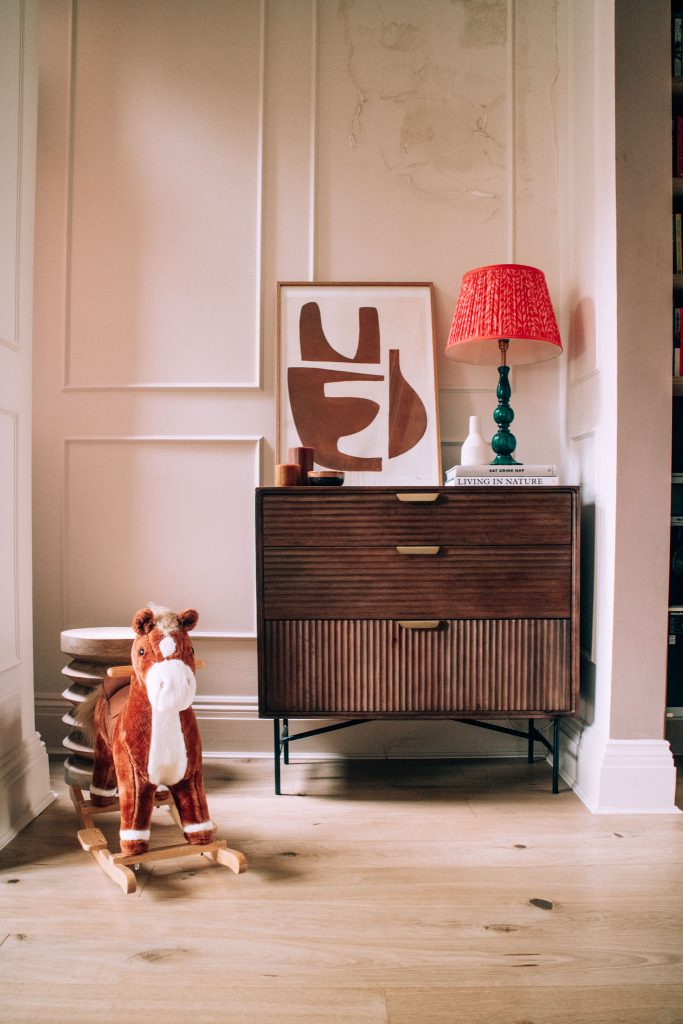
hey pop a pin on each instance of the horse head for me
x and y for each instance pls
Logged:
(163, 657)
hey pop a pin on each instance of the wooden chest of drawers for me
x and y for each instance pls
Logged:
(450, 602)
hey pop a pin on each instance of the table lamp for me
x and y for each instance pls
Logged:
(509, 304)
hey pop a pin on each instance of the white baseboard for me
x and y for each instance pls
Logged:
(618, 776)
(24, 786)
(230, 728)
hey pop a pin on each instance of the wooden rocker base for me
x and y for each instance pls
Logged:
(93, 840)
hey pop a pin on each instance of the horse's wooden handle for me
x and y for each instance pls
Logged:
(123, 671)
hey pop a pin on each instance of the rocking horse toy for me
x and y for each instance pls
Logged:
(148, 751)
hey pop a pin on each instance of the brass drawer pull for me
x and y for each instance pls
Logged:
(419, 496)
(412, 549)
(419, 623)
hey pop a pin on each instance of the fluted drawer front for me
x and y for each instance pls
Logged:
(367, 517)
(452, 583)
(366, 667)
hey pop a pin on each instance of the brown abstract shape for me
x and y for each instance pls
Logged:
(407, 414)
(321, 421)
(315, 348)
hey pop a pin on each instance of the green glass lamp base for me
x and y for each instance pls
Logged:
(504, 460)
(504, 441)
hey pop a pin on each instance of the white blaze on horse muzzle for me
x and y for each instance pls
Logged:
(171, 685)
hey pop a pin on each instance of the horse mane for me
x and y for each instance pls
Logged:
(164, 617)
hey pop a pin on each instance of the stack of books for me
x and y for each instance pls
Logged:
(502, 476)
(677, 47)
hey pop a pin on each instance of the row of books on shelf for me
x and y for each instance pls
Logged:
(502, 476)
(677, 46)
(677, 146)
(677, 368)
(677, 152)
(677, 239)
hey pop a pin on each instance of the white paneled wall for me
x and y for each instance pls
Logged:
(24, 779)
(615, 183)
(192, 155)
(9, 517)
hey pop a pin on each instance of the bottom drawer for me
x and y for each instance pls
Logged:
(380, 667)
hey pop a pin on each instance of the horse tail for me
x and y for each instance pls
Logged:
(85, 713)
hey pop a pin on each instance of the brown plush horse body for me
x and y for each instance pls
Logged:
(146, 734)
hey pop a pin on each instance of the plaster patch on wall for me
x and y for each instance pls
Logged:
(485, 23)
(430, 87)
(400, 36)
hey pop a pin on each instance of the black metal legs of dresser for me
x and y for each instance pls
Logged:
(554, 748)
(282, 738)
(556, 755)
(531, 735)
(277, 748)
(280, 747)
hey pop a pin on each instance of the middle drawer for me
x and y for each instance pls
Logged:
(453, 582)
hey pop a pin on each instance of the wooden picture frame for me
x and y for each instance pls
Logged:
(356, 379)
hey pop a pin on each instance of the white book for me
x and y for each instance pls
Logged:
(502, 481)
(485, 470)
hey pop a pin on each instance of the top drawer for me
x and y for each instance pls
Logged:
(366, 516)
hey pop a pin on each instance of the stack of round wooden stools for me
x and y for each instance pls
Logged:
(93, 651)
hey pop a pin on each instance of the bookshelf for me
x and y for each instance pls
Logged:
(677, 180)
(677, 219)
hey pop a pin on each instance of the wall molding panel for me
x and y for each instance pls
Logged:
(313, 144)
(105, 371)
(9, 547)
(12, 36)
(511, 183)
(157, 500)
(24, 768)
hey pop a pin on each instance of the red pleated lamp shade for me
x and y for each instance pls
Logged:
(505, 300)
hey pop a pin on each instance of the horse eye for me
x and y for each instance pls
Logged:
(141, 651)
(192, 649)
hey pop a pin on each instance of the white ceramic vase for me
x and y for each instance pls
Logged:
(475, 450)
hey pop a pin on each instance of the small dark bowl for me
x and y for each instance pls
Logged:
(325, 478)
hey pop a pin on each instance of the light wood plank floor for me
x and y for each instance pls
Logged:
(390, 893)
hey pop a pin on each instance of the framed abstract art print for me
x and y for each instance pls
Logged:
(356, 380)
